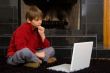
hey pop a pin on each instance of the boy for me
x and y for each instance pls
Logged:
(26, 41)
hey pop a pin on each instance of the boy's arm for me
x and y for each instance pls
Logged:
(41, 31)
(46, 43)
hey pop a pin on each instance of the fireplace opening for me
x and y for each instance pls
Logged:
(59, 14)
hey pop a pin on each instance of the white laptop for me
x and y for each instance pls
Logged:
(81, 57)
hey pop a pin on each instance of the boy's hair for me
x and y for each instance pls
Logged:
(33, 13)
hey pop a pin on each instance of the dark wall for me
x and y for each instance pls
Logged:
(8, 20)
(8, 16)
(92, 17)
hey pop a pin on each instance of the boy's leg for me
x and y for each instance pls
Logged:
(50, 52)
(22, 56)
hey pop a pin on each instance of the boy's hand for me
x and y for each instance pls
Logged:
(41, 31)
(40, 54)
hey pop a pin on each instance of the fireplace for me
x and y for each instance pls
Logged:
(58, 14)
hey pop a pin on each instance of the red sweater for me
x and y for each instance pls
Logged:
(26, 37)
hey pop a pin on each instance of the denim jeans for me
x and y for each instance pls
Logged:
(25, 55)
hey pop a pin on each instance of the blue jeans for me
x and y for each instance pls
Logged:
(25, 55)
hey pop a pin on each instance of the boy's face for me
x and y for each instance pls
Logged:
(36, 22)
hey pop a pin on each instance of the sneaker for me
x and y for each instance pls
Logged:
(51, 60)
(32, 65)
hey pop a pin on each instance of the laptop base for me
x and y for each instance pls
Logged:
(62, 67)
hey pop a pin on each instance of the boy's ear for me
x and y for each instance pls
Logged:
(28, 20)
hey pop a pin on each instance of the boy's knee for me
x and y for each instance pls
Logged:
(51, 51)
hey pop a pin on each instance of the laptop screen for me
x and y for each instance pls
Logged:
(81, 55)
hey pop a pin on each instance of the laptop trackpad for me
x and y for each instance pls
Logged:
(62, 67)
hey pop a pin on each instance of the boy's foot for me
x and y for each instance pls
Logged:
(51, 60)
(32, 65)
